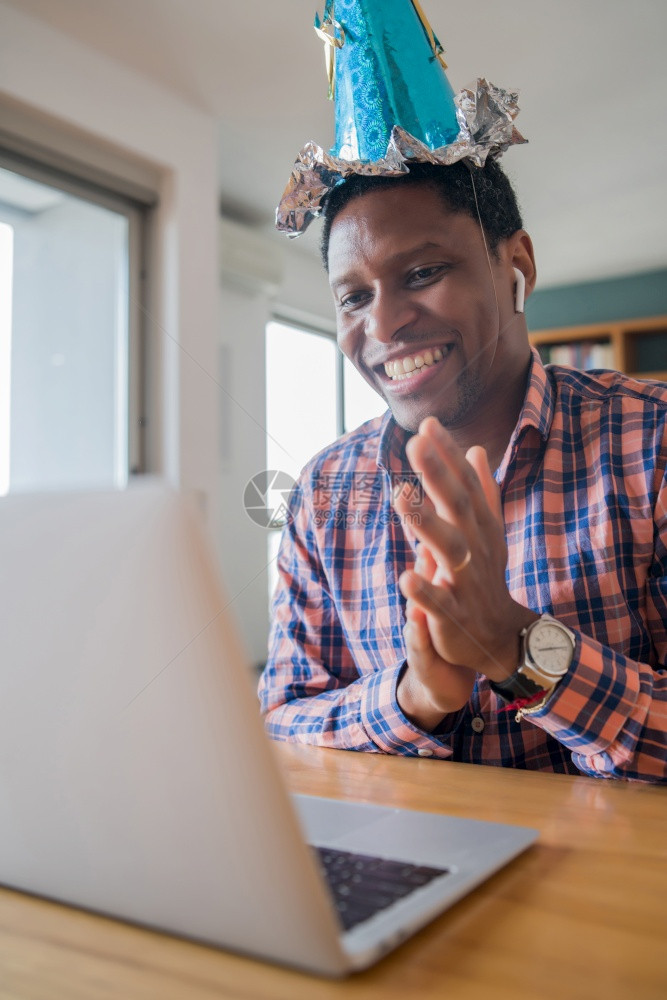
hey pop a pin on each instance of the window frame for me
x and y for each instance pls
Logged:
(51, 169)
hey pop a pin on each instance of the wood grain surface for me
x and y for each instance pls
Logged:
(582, 914)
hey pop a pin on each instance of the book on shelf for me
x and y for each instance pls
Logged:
(583, 354)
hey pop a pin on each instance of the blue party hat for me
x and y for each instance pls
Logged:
(393, 104)
(388, 71)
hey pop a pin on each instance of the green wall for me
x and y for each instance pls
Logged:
(638, 295)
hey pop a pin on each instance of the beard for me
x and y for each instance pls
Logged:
(457, 401)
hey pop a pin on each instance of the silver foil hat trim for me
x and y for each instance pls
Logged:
(485, 114)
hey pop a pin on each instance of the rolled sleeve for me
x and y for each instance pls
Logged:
(386, 725)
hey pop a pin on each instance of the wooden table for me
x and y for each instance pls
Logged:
(581, 914)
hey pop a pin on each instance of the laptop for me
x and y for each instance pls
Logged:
(136, 779)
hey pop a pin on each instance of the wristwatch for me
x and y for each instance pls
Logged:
(547, 648)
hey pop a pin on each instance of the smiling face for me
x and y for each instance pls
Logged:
(425, 314)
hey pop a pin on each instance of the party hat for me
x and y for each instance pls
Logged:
(393, 104)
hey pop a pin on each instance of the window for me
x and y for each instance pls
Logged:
(361, 402)
(301, 395)
(70, 308)
(313, 395)
(6, 264)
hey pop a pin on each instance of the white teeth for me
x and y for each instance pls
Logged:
(406, 367)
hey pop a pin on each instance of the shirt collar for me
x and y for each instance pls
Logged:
(539, 402)
(391, 446)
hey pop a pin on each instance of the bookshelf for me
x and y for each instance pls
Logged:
(637, 347)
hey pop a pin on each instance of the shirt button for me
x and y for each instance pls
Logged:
(477, 724)
(425, 752)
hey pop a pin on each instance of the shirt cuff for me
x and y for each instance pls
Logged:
(592, 704)
(392, 732)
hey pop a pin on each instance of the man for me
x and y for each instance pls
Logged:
(481, 574)
(412, 633)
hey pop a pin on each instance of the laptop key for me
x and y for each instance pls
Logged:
(363, 885)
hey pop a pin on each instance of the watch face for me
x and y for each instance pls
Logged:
(550, 648)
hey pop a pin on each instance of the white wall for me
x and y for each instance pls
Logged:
(305, 288)
(208, 414)
(246, 307)
(45, 74)
(242, 416)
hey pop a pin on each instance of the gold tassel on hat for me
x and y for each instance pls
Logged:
(433, 41)
(333, 36)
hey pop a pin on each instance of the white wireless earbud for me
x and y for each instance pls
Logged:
(519, 291)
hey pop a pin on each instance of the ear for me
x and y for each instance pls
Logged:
(520, 254)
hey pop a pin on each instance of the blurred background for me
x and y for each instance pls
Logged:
(152, 321)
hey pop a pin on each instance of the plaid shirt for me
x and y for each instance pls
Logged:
(584, 496)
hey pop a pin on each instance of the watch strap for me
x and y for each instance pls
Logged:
(517, 685)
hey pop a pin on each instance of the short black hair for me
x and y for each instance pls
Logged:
(484, 193)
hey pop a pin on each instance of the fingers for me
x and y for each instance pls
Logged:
(430, 598)
(461, 518)
(425, 565)
(415, 631)
(452, 482)
(443, 544)
(457, 594)
(426, 569)
(479, 460)
(411, 510)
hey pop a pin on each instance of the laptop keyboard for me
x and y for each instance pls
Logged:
(362, 885)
